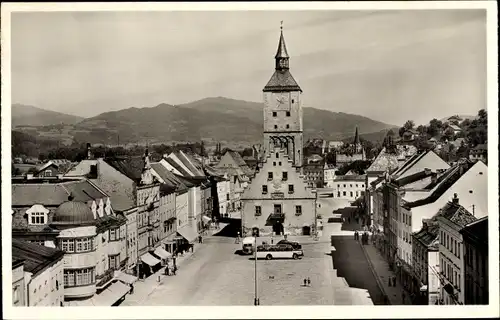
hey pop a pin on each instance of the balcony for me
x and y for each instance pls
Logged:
(104, 278)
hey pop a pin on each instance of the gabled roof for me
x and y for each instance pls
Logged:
(131, 167)
(427, 235)
(457, 214)
(170, 179)
(36, 257)
(385, 161)
(240, 162)
(54, 194)
(190, 162)
(282, 80)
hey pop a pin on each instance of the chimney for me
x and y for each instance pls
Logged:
(455, 198)
(434, 177)
(29, 176)
(70, 197)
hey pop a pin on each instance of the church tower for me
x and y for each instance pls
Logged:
(283, 124)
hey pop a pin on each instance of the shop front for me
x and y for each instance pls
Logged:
(149, 265)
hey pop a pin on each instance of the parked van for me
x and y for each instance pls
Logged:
(247, 245)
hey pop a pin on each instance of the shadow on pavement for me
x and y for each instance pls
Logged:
(350, 262)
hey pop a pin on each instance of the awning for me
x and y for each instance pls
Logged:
(206, 219)
(125, 277)
(305, 224)
(149, 259)
(160, 252)
(188, 232)
(106, 298)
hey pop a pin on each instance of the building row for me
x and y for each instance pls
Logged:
(109, 222)
(420, 211)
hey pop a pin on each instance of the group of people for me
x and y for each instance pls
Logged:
(173, 268)
(364, 237)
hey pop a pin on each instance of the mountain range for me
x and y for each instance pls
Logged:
(216, 119)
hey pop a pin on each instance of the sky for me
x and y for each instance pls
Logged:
(390, 66)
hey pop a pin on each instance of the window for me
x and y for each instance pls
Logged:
(269, 176)
(288, 112)
(298, 210)
(79, 277)
(290, 188)
(275, 127)
(344, 185)
(275, 114)
(280, 163)
(338, 194)
(356, 185)
(285, 176)
(37, 218)
(48, 173)
(258, 210)
(114, 262)
(68, 245)
(277, 155)
(351, 193)
(264, 189)
(344, 193)
(288, 126)
(274, 163)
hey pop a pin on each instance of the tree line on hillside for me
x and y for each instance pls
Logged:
(473, 132)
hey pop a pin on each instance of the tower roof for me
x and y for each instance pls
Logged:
(356, 137)
(282, 81)
(282, 53)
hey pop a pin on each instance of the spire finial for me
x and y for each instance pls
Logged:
(281, 27)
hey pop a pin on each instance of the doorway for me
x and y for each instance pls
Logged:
(306, 230)
(278, 228)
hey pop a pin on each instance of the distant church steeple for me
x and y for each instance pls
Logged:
(282, 58)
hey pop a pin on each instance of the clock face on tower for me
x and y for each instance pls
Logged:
(282, 100)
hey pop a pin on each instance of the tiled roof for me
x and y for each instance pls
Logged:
(384, 162)
(53, 194)
(427, 235)
(190, 163)
(170, 179)
(129, 166)
(36, 257)
(178, 167)
(457, 214)
(240, 162)
(282, 80)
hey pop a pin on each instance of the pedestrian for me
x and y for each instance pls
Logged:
(192, 248)
(131, 288)
(305, 282)
(355, 235)
(174, 259)
(174, 269)
(167, 270)
(199, 239)
(403, 297)
(308, 281)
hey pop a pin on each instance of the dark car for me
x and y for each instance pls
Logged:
(295, 245)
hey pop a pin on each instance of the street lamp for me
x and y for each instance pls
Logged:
(256, 297)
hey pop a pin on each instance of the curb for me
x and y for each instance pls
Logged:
(379, 283)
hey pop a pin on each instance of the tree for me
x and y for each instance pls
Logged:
(401, 131)
(410, 124)
(449, 134)
(421, 129)
(435, 127)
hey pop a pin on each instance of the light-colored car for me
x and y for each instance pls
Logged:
(280, 251)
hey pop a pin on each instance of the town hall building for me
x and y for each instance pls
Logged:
(278, 199)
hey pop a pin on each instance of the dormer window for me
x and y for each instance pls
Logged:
(37, 215)
(37, 218)
(48, 173)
